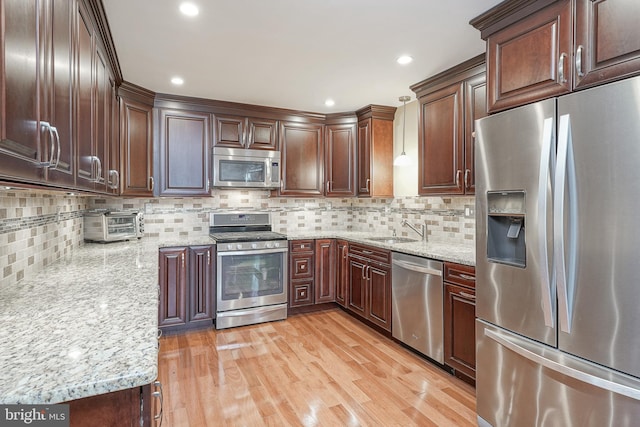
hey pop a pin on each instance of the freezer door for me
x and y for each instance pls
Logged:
(514, 155)
(598, 225)
(524, 383)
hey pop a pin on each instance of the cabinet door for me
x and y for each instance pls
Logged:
(229, 131)
(102, 125)
(119, 408)
(201, 284)
(379, 295)
(364, 157)
(607, 41)
(441, 142)
(340, 161)
(342, 274)
(475, 108)
(184, 140)
(262, 134)
(60, 90)
(356, 295)
(172, 279)
(459, 329)
(86, 166)
(531, 59)
(23, 137)
(301, 266)
(302, 150)
(325, 271)
(136, 149)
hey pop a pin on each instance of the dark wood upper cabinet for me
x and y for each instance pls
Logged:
(184, 145)
(607, 41)
(449, 104)
(302, 147)
(136, 141)
(340, 160)
(543, 48)
(245, 132)
(375, 151)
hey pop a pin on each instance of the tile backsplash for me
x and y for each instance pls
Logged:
(38, 227)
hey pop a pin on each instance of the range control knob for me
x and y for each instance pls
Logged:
(239, 246)
(276, 244)
(254, 245)
(229, 246)
(269, 245)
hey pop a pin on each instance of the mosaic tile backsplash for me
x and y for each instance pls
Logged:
(38, 227)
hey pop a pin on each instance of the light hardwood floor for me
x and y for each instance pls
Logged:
(319, 369)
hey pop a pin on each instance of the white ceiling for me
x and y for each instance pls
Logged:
(293, 53)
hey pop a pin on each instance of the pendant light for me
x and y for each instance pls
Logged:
(403, 159)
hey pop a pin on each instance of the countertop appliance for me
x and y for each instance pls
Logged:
(251, 269)
(103, 225)
(417, 299)
(245, 168)
(557, 239)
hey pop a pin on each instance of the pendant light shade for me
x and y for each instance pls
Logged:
(403, 159)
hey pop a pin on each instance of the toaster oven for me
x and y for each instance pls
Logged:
(113, 226)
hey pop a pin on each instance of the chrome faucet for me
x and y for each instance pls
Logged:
(422, 232)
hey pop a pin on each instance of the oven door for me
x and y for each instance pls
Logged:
(251, 278)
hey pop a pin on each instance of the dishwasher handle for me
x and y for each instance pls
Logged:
(416, 267)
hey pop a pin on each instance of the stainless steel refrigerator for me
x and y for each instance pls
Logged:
(558, 261)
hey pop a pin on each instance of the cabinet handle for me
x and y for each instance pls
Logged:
(364, 267)
(579, 71)
(58, 147)
(466, 295)
(302, 267)
(48, 163)
(467, 277)
(467, 173)
(458, 173)
(364, 251)
(367, 184)
(183, 260)
(98, 162)
(303, 294)
(151, 183)
(158, 394)
(369, 272)
(344, 252)
(561, 75)
(208, 257)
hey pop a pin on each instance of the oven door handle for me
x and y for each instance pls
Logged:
(253, 251)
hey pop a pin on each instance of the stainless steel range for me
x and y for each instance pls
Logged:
(251, 271)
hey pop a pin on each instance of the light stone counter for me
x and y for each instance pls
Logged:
(83, 326)
(436, 250)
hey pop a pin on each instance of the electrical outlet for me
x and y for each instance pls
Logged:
(469, 211)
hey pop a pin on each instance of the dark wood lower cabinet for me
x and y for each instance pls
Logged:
(459, 320)
(342, 272)
(133, 407)
(369, 285)
(187, 287)
(325, 274)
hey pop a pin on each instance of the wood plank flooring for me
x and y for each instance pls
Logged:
(318, 369)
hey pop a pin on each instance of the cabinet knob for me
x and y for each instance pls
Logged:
(302, 267)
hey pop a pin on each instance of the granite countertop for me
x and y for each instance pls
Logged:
(461, 254)
(85, 325)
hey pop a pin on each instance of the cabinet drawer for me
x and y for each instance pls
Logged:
(301, 266)
(371, 253)
(301, 246)
(459, 274)
(301, 293)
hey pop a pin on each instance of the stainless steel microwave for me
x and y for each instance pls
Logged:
(112, 226)
(244, 168)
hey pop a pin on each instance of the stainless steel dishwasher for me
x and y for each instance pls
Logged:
(417, 297)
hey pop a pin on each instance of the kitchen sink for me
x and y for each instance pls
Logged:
(392, 239)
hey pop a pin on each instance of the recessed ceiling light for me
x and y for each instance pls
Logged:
(404, 60)
(189, 9)
(329, 102)
(177, 81)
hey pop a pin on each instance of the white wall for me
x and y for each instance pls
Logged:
(405, 178)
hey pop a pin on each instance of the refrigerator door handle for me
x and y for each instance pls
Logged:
(545, 172)
(565, 173)
(579, 375)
